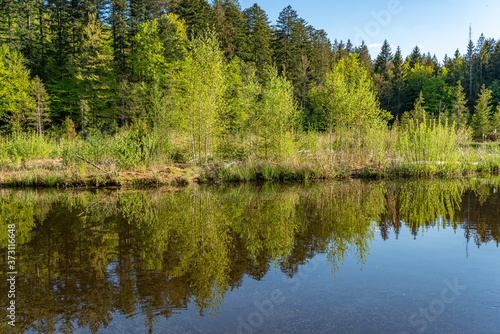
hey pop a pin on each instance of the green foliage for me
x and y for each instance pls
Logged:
(419, 113)
(204, 105)
(276, 118)
(92, 70)
(495, 123)
(481, 119)
(349, 102)
(459, 112)
(438, 96)
(39, 117)
(16, 100)
(430, 147)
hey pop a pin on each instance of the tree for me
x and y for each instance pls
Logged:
(120, 33)
(158, 43)
(383, 60)
(16, 100)
(40, 116)
(470, 63)
(419, 113)
(93, 71)
(460, 112)
(276, 117)
(197, 14)
(260, 37)
(456, 69)
(481, 118)
(204, 91)
(495, 123)
(438, 96)
(398, 81)
(350, 102)
(364, 57)
(230, 23)
(416, 57)
(291, 44)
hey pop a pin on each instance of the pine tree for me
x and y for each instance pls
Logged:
(481, 118)
(495, 61)
(292, 48)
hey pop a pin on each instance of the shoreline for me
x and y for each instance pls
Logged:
(182, 175)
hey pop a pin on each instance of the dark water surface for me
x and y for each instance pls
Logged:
(344, 257)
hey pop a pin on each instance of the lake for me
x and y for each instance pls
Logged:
(414, 256)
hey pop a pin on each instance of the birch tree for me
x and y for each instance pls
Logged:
(204, 92)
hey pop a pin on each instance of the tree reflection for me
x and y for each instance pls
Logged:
(86, 256)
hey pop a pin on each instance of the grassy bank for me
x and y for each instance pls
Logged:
(130, 158)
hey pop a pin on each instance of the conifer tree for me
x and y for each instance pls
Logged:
(364, 57)
(397, 81)
(39, 117)
(15, 89)
(418, 113)
(416, 57)
(459, 111)
(120, 33)
(259, 35)
(92, 69)
(481, 119)
(495, 123)
(196, 13)
(229, 24)
(383, 60)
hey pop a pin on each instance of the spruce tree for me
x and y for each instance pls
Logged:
(460, 112)
(259, 45)
(383, 60)
(481, 119)
(416, 57)
(364, 57)
(397, 81)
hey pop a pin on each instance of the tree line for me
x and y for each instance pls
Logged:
(208, 68)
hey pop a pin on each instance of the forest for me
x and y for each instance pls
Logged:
(133, 83)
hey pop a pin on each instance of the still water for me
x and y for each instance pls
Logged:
(343, 257)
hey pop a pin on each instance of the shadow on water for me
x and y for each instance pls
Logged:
(84, 257)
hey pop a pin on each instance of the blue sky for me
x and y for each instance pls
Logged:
(439, 27)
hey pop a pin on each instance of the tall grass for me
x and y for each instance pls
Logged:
(424, 149)
(432, 148)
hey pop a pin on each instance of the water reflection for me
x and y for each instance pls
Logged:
(86, 256)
